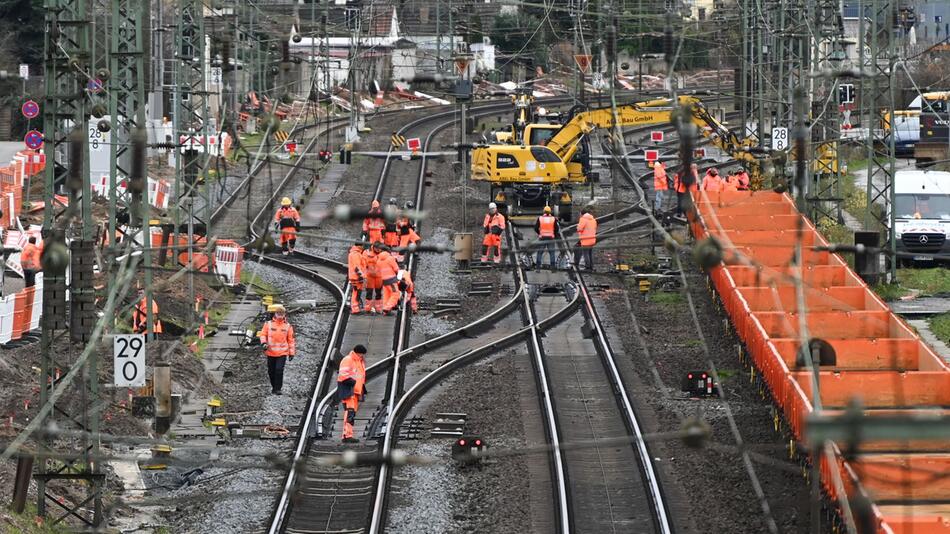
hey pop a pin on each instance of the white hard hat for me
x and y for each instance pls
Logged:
(400, 274)
(492, 206)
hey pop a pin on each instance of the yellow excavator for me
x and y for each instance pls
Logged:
(527, 177)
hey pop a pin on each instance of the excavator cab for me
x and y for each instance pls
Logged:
(523, 178)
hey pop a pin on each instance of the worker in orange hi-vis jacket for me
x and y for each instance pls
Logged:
(30, 261)
(140, 316)
(494, 226)
(280, 346)
(408, 288)
(374, 224)
(388, 271)
(374, 283)
(351, 388)
(287, 222)
(391, 226)
(356, 276)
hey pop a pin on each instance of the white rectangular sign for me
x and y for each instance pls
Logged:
(24, 71)
(128, 353)
(216, 76)
(779, 138)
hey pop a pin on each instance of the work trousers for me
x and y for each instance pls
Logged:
(549, 246)
(350, 406)
(288, 239)
(491, 248)
(391, 294)
(587, 253)
(356, 296)
(29, 277)
(374, 293)
(275, 371)
(658, 200)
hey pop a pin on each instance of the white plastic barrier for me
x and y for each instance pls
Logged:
(37, 311)
(6, 318)
(227, 263)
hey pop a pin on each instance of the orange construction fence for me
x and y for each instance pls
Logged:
(878, 359)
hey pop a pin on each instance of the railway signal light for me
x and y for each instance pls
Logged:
(468, 450)
(699, 384)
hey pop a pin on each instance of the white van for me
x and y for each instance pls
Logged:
(922, 215)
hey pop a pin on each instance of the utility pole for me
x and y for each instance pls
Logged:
(827, 56)
(353, 15)
(878, 102)
(127, 112)
(191, 124)
(68, 58)
(463, 95)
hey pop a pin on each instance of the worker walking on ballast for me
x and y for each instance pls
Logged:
(351, 388)
(587, 238)
(494, 226)
(356, 276)
(547, 229)
(277, 338)
(287, 222)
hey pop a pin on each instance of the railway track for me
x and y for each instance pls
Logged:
(314, 496)
(321, 498)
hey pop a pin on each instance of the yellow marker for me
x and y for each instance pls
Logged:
(644, 286)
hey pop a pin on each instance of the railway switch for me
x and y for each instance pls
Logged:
(699, 384)
(467, 450)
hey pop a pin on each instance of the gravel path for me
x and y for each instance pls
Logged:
(225, 499)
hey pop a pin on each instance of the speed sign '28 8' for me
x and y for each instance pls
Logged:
(128, 352)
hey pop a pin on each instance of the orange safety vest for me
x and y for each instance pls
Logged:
(279, 337)
(496, 220)
(287, 217)
(355, 263)
(409, 237)
(659, 179)
(387, 265)
(587, 230)
(712, 183)
(371, 261)
(140, 317)
(30, 257)
(546, 226)
(680, 187)
(353, 366)
(743, 178)
(729, 185)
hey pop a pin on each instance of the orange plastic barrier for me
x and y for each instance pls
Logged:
(877, 358)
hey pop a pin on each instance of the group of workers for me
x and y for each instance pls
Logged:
(548, 229)
(380, 269)
(378, 272)
(665, 186)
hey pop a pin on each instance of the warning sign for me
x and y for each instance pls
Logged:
(583, 62)
(656, 137)
(414, 144)
(461, 64)
(651, 155)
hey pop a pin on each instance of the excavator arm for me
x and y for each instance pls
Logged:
(566, 141)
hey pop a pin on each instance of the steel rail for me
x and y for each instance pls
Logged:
(550, 417)
(661, 513)
(301, 448)
(303, 440)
